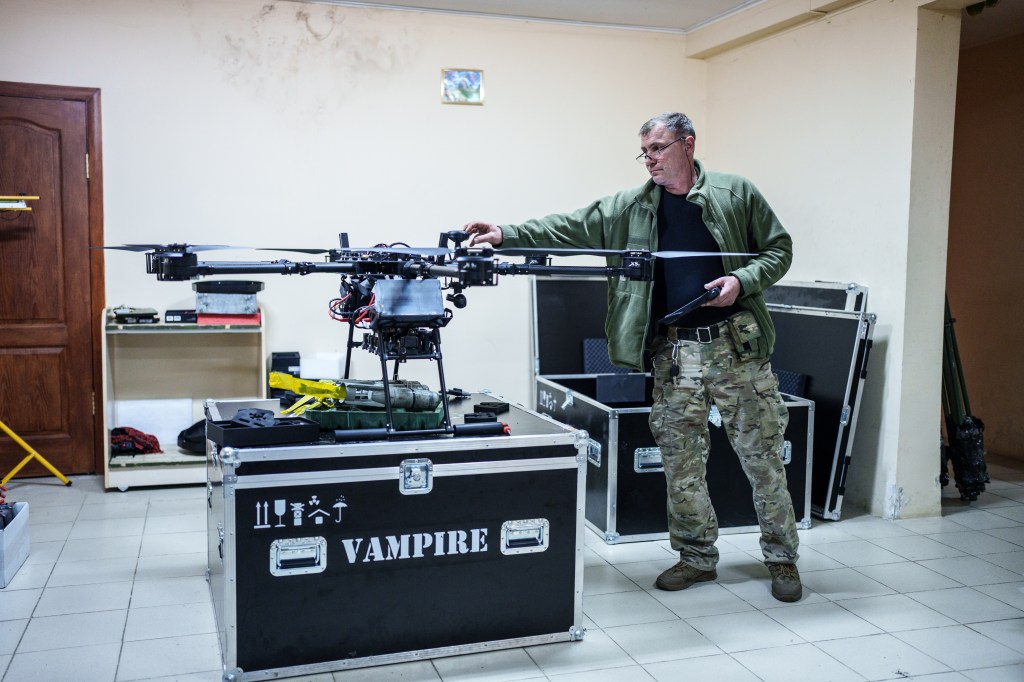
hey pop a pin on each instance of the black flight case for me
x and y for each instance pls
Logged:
(625, 486)
(326, 557)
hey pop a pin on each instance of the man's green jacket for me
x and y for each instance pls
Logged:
(738, 217)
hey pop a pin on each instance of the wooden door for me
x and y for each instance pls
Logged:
(50, 280)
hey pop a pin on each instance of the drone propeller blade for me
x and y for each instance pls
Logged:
(556, 252)
(189, 248)
(697, 254)
(285, 248)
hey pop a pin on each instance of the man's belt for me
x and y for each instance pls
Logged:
(698, 334)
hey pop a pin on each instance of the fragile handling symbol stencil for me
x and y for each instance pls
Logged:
(308, 511)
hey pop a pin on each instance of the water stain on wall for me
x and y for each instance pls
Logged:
(303, 55)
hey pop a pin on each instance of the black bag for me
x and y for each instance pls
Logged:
(193, 438)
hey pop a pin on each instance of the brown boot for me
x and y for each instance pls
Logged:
(681, 576)
(785, 582)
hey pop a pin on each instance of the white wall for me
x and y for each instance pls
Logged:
(265, 123)
(822, 117)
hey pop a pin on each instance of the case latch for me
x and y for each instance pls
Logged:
(646, 460)
(524, 536)
(298, 556)
(594, 452)
(787, 452)
(416, 476)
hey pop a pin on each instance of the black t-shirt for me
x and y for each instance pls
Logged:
(677, 281)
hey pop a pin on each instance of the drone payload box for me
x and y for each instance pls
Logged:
(378, 552)
(226, 297)
(626, 491)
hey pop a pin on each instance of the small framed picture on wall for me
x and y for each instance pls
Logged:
(462, 86)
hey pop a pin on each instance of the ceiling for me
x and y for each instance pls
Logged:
(1004, 19)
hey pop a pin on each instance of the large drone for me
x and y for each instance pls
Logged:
(396, 293)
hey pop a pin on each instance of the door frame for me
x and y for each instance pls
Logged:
(97, 287)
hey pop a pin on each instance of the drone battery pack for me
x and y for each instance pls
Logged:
(180, 317)
(135, 316)
(373, 553)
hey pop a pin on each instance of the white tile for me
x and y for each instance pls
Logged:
(858, 553)
(1014, 513)
(895, 612)
(960, 647)
(5, 659)
(974, 543)
(595, 651)
(416, 671)
(817, 622)
(881, 657)
(742, 631)
(154, 622)
(91, 572)
(73, 630)
(979, 519)
(634, 551)
(813, 560)
(843, 583)
(803, 663)
(58, 601)
(592, 558)
(112, 507)
(966, 605)
(631, 673)
(870, 528)
(744, 542)
(166, 591)
(654, 642)
(1006, 673)
(970, 570)
(166, 657)
(108, 548)
(605, 580)
(644, 573)
(1008, 632)
(173, 543)
(172, 565)
(907, 577)
(183, 523)
(918, 547)
(1008, 593)
(490, 666)
(701, 599)
(1011, 561)
(96, 663)
(720, 668)
(932, 524)
(63, 513)
(10, 634)
(106, 528)
(44, 552)
(31, 575)
(49, 532)
(823, 532)
(1014, 535)
(18, 604)
(625, 608)
(741, 566)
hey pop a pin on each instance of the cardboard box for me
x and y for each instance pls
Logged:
(14, 544)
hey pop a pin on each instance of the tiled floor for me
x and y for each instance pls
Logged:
(114, 589)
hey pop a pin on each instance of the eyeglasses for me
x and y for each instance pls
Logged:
(655, 153)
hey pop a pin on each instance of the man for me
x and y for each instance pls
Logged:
(716, 354)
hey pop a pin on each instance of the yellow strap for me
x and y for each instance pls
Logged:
(327, 389)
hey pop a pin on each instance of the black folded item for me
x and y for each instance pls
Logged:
(193, 439)
(6, 514)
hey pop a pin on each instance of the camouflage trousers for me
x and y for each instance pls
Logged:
(747, 397)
